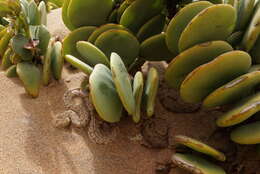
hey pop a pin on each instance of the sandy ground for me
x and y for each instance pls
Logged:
(31, 145)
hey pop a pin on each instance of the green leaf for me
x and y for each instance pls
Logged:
(43, 12)
(91, 54)
(199, 147)
(196, 164)
(47, 64)
(30, 76)
(57, 60)
(150, 91)
(122, 82)
(33, 14)
(138, 86)
(25, 7)
(11, 72)
(6, 61)
(104, 95)
(18, 43)
(79, 64)
(42, 34)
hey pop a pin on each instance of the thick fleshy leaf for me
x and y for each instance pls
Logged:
(150, 91)
(241, 111)
(6, 60)
(139, 12)
(57, 60)
(41, 34)
(11, 72)
(196, 164)
(199, 147)
(89, 12)
(91, 54)
(4, 42)
(252, 32)
(122, 8)
(200, 82)
(34, 15)
(155, 49)
(93, 37)
(244, 13)
(69, 42)
(79, 64)
(234, 90)
(46, 75)
(213, 23)
(18, 43)
(247, 134)
(138, 86)
(65, 17)
(104, 95)
(122, 82)
(30, 76)
(43, 12)
(191, 58)
(15, 58)
(153, 27)
(180, 21)
(25, 7)
(120, 41)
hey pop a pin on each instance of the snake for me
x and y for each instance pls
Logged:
(83, 114)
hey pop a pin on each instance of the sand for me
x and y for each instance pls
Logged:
(31, 145)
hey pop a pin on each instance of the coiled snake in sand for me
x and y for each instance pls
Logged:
(82, 114)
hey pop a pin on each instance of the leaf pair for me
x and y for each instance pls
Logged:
(203, 21)
(194, 163)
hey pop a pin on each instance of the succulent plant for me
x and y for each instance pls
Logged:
(112, 89)
(91, 45)
(215, 63)
(194, 163)
(26, 45)
(117, 29)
